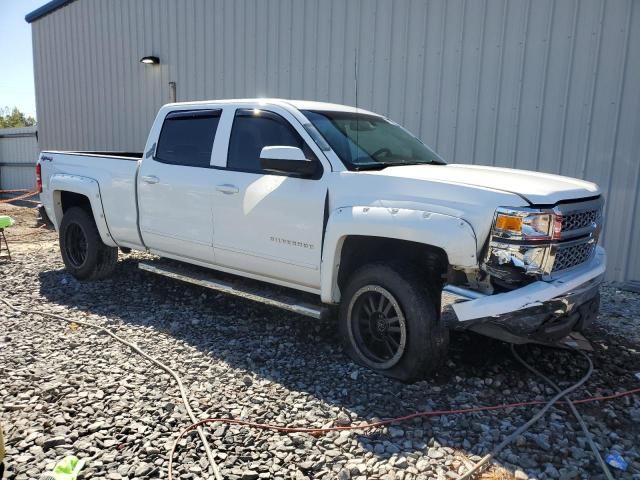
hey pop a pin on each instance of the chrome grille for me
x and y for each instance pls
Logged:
(578, 220)
(570, 256)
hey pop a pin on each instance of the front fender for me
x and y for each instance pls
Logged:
(86, 186)
(453, 235)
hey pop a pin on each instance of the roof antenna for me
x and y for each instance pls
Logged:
(355, 80)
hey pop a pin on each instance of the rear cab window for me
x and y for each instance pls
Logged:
(187, 138)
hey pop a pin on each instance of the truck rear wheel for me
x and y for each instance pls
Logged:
(389, 322)
(83, 253)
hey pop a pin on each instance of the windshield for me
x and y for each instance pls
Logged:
(366, 142)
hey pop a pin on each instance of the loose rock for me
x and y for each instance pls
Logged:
(70, 389)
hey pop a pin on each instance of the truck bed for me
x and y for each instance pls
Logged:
(115, 172)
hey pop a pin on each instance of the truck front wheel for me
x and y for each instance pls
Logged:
(83, 253)
(389, 322)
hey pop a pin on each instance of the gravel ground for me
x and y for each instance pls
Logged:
(620, 314)
(66, 389)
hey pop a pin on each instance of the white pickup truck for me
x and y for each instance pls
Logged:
(347, 208)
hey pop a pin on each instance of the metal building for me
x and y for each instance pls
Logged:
(550, 85)
(18, 154)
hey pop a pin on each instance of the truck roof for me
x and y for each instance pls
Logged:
(298, 104)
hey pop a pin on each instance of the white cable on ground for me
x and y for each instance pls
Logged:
(510, 438)
(185, 399)
(576, 414)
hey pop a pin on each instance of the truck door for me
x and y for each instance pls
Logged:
(175, 187)
(266, 223)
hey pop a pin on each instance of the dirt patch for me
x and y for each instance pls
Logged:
(27, 233)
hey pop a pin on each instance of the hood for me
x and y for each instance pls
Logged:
(537, 188)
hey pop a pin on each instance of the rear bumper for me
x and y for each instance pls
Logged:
(541, 311)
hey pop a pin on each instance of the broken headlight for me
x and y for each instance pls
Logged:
(520, 244)
(526, 224)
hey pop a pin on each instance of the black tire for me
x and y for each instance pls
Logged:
(422, 347)
(83, 253)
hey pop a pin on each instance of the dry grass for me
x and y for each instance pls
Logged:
(496, 472)
(492, 472)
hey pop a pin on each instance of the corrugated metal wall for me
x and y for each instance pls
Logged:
(537, 84)
(18, 156)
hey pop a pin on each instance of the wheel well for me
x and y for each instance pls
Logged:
(361, 250)
(72, 199)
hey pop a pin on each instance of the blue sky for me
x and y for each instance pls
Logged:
(16, 60)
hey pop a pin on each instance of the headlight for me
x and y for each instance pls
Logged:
(527, 243)
(526, 224)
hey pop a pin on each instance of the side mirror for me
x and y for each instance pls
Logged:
(284, 159)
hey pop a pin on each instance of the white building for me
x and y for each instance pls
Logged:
(550, 85)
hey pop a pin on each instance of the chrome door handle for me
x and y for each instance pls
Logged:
(227, 189)
(150, 179)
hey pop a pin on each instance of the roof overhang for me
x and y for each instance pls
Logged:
(46, 9)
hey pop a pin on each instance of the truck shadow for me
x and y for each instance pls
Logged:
(304, 355)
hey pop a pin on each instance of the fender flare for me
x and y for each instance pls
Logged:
(453, 235)
(62, 182)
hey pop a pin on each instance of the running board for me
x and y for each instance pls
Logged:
(247, 289)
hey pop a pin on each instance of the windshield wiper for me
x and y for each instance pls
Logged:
(383, 165)
(372, 166)
(432, 162)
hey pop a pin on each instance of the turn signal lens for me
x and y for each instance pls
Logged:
(509, 222)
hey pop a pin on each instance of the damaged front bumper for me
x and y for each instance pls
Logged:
(543, 311)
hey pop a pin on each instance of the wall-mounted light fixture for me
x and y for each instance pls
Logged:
(150, 60)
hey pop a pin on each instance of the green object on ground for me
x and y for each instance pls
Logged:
(68, 468)
(6, 221)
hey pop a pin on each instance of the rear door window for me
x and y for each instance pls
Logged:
(187, 137)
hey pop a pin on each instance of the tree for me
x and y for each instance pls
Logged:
(14, 118)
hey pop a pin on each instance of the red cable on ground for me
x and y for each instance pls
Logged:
(319, 431)
(19, 197)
